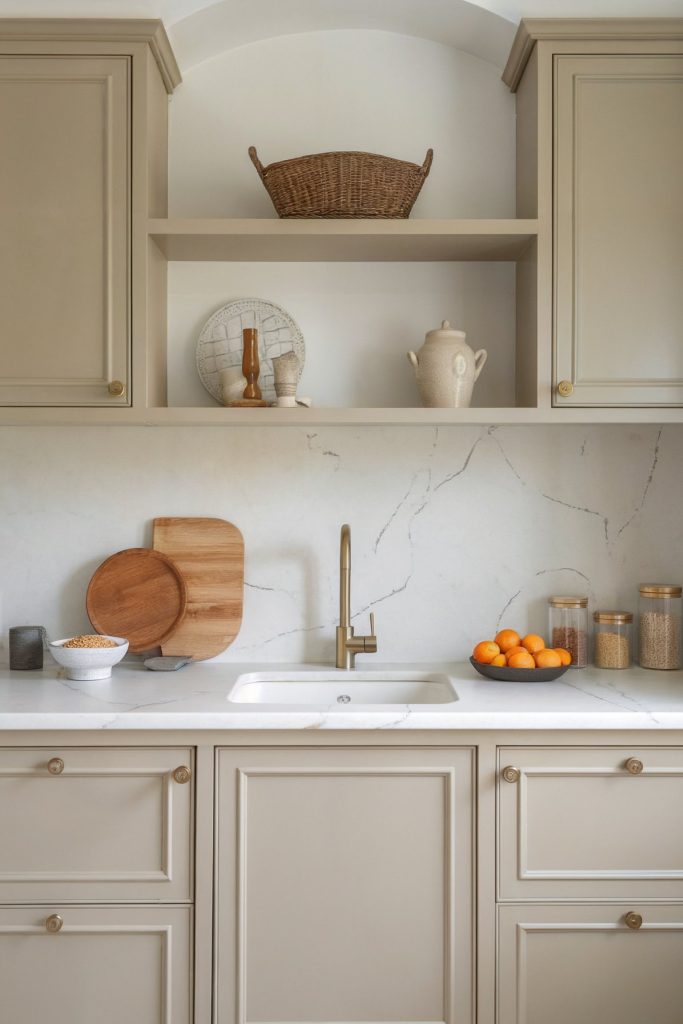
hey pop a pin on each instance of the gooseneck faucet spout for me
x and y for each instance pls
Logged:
(348, 644)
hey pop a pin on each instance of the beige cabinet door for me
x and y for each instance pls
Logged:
(619, 230)
(95, 823)
(64, 230)
(563, 964)
(344, 885)
(123, 965)
(590, 822)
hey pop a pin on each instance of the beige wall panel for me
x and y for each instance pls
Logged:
(64, 224)
(619, 229)
(564, 964)
(348, 877)
(527, 140)
(577, 823)
(106, 965)
(113, 825)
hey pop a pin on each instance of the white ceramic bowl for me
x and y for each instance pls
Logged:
(88, 662)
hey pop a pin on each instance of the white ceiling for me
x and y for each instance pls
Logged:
(200, 29)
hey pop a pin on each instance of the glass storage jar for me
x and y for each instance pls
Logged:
(659, 632)
(612, 639)
(568, 627)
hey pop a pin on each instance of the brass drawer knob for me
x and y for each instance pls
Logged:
(182, 774)
(633, 920)
(565, 388)
(634, 766)
(116, 388)
(53, 924)
(511, 774)
(55, 766)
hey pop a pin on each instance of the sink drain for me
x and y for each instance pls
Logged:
(343, 698)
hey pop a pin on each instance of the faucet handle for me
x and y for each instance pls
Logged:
(372, 623)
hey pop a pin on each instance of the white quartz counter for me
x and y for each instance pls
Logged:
(196, 697)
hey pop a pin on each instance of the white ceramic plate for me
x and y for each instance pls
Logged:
(220, 342)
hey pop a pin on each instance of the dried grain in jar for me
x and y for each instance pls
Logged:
(612, 639)
(659, 631)
(568, 627)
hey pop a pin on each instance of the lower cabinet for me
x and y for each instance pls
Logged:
(565, 964)
(344, 885)
(110, 965)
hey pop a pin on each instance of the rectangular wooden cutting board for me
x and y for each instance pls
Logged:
(210, 556)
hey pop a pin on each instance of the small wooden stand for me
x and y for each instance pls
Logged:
(252, 397)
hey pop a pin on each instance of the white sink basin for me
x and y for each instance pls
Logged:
(343, 691)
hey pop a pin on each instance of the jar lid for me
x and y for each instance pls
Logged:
(445, 332)
(613, 617)
(568, 602)
(660, 590)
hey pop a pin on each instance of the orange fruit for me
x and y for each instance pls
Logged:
(533, 643)
(485, 652)
(547, 659)
(565, 656)
(499, 661)
(521, 660)
(516, 650)
(506, 639)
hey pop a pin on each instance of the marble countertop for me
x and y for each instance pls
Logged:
(196, 697)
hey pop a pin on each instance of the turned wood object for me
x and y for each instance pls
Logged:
(250, 368)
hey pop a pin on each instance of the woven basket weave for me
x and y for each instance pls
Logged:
(343, 184)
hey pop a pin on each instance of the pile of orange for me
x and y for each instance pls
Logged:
(511, 650)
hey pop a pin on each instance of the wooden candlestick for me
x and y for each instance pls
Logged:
(250, 368)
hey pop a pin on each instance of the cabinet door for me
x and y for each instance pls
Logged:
(619, 230)
(577, 823)
(104, 964)
(64, 230)
(566, 964)
(95, 823)
(344, 885)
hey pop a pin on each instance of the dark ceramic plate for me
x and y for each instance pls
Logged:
(518, 675)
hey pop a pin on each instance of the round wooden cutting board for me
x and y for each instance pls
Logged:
(138, 594)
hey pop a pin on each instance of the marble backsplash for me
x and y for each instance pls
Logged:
(454, 530)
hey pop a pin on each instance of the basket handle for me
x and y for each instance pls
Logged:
(256, 162)
(427, 163)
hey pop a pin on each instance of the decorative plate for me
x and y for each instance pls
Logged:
(518, 675)
(220, 342)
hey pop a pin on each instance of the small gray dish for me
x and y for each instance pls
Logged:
(518, 675)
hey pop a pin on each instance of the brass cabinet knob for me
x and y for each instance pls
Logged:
(182, 774)
(565, 388)
(53, 924)
(634, 766)
(511, 774)
(55, 766)
(633, 920)
(116, 388)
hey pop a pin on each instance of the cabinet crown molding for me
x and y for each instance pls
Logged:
(533, 30)
(123, 30)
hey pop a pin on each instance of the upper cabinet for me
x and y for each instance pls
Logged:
(600, 152)
(79, 172)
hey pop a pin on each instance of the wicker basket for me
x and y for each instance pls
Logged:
(343, 184)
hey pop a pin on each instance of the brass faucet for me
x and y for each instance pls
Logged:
(349, 645)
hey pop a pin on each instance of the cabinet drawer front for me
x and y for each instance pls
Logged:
(104, 964)
(618, 212)
(564, 964)
(344, 885)
(94, 824)
(576, 822)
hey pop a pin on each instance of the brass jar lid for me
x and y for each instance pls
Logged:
(660, 590)
(568, 602)
(613, 618)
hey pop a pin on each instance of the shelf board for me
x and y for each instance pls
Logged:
(342, 240)
(217, 416)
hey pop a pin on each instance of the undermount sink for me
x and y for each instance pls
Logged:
(343, 690)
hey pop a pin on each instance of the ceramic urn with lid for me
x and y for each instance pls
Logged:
(446, 368)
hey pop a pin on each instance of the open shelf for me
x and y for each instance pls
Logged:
(342, 240)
